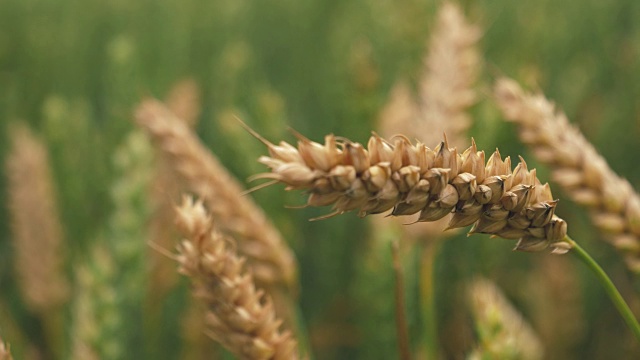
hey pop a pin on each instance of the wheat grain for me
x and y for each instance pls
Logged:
(239, 316)
(577, 167)
(271, 261)
(409, 179)
(37, 232)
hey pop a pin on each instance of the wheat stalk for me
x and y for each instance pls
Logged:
(271, 261)
(409, 179)
(37, 232)
(239, 316)
(577, 167)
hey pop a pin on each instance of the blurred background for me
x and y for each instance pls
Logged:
(75, 70)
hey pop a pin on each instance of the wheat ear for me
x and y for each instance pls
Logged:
(577, 167)
(446, 91)
(413, 179)
(37, 232)
(270, 259)
(239, 316)
(502, 332)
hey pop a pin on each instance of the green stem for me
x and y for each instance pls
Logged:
(609, 287)
(428, 250)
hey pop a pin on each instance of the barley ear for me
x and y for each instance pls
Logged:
(576, 166)
(238, 315)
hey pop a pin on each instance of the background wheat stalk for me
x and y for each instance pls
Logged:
(238, 316)
(577, 167)
(409, 179)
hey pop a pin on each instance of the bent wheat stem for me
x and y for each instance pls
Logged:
(608, 285)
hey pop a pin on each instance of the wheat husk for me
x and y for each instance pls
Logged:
(407, 178)
(238, 315)
(270, 259)
(576, 166)
(36, 228)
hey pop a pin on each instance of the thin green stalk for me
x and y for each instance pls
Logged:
(404, 347)
(302, 335)
(428, 251)
(609, 287)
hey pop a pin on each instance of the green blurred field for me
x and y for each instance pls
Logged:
(74, 70)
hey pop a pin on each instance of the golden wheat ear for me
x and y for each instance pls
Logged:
(238, 315)
(407, 178)
(576, 166)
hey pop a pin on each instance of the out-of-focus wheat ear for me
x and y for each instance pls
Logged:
(5, 351)
(238, 315)
(446, 87)
(184, 101)
(35, 224)
(445, 93)
(270, 259)
(502, 332)
(126, 237)
(577, 167)
(94, 307)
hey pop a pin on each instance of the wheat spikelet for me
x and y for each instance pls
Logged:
(37, 232)
(239, 316)
(577, 167)
(502, 332)
(415, 179)
(271, 261)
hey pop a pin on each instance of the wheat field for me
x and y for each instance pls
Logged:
(162, 160)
